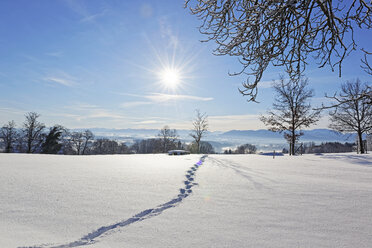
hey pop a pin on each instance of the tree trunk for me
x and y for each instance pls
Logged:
(78, 150)
(293, 140)
(85, 147)
(8, 148)
(360, 138)
(28, 147)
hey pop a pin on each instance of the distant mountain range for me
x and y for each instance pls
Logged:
(264, 139)
(316, 135)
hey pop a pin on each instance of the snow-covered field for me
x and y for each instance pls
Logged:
(181, 201)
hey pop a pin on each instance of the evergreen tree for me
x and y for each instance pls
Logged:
(52, 143)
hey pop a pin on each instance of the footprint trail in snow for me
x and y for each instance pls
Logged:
(146, 214)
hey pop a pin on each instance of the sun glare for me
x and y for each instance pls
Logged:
(170, 78)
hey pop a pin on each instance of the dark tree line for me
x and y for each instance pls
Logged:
(34, 137)
(203, 147)
(328, 147)
(242, 149)
(168, 139)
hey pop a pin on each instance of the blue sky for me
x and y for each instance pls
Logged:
(86, 64)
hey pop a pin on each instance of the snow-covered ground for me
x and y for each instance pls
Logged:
(183, 201)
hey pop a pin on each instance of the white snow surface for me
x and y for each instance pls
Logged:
(181, 201)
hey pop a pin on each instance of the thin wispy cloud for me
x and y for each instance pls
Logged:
(160, 97)
(64, 115)
(82, 10)
(61, 81)
(101, 113)
(134, 104)
(30, 59)
(84, 111)
(82, 106)
(148, 122)
(10, 113)
(61, 78)
(12, 110)
(93, 17)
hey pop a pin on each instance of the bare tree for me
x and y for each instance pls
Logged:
(33, 132)
(352, 114)
(79, 141)
(291, 110)
(87, 136)
(200, 127)
(282, 33)
(168, 138)
(365, 64)
(8, 134)
(76, 142)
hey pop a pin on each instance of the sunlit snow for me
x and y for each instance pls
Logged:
(185, 201)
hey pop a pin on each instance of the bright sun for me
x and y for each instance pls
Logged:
(170, 77)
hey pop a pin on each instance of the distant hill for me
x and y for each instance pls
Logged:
(316, 135)
(263, 139)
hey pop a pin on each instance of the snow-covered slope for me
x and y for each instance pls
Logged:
(181, 201)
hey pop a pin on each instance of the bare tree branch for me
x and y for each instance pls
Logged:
(282, 33)
(33, 130)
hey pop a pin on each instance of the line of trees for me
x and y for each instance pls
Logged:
(242, 149)
(350, 112)
(168, 139)
(328, 147)
(34, 137)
